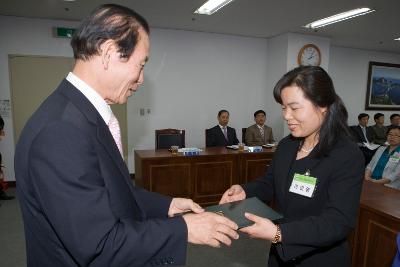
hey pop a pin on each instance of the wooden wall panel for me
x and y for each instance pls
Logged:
(165, 177)
(211, 179)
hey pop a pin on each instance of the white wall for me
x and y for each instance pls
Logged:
(349, 71)
(277, 66)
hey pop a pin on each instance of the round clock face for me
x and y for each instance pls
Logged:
(309, 55)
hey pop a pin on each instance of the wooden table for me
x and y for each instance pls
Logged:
(203, 178)
(374, 242)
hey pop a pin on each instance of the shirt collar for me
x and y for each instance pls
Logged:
(222, 127)
(260, 127)
(97, 101)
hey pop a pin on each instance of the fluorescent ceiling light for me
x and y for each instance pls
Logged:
(339, 17)
(397, 39)
(212, 6)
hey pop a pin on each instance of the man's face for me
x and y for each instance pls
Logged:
(223, 119)
(260, 119)
(395, 120)
(363, 121)
(125, 75)
(380, 120)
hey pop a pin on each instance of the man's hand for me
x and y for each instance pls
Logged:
(179, 205)
(210, 229)
(262, 227)
(234, 193)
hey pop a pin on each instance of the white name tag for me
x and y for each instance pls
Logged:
(303, 185)
(394, 159)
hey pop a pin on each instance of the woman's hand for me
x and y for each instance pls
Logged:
(262, 228)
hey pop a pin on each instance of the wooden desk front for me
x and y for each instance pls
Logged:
(374, 242)
(203, 178)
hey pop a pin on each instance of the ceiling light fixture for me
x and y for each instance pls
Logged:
(212, 6)
(339, 17)
(397, 39)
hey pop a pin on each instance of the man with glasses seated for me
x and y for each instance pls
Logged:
(384, 168)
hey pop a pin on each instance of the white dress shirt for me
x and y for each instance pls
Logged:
(97, 101)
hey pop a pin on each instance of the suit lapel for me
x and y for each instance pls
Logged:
(103, 133)
(105, 138)
(286, 165)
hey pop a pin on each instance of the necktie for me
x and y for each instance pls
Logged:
(365, 134)
(261, 132)
(113, 125)
(225, 133)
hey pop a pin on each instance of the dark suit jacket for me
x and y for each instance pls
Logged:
(359, 136)
(215, 137)
(79, 205)
(314, 230)
(253, 136)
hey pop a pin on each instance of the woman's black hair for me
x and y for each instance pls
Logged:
(318, 87)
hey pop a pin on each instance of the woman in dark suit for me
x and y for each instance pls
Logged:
(315, 177)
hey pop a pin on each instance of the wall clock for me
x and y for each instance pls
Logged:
(309, 55)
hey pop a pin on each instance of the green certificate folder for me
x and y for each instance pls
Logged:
(235, 211)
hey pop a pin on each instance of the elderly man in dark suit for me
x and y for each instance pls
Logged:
(259, 134)
(221, 134)
(79, 205)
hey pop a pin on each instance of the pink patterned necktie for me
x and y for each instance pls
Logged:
(113, 125)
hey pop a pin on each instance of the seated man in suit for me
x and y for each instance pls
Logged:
(363, 134)
(221, 134)
(259, 134)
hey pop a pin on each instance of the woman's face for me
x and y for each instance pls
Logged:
(304, 119)
(393, 137)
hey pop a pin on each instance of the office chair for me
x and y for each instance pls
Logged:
(165, 138)
(244, 135)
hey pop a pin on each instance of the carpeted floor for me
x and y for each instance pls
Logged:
(244, 252)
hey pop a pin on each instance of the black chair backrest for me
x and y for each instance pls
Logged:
(243, 135)
(165, 138)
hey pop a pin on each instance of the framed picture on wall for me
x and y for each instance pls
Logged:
(383, 86)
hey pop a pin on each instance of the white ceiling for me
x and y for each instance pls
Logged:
(255, 18)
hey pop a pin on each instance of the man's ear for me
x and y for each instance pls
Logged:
(106, 50)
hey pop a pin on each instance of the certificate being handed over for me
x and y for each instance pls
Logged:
(235, 211)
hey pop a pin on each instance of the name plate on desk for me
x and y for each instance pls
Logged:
(235, 211)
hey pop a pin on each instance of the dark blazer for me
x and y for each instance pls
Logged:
(359, 136)
(314, 230)
(79, 205)
(215, 137)
(253, 136)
